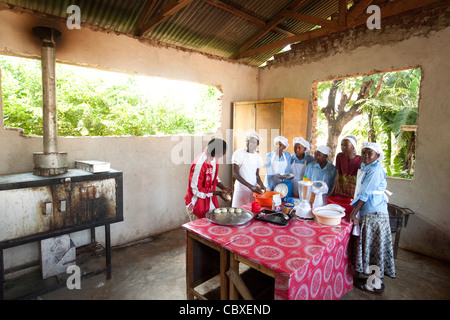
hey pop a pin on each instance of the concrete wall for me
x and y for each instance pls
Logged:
(154, 187)
(365, 51)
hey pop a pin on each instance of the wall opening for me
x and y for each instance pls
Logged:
(379, 107)
(93, 102)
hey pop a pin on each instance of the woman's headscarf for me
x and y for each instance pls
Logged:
(303, 142)
(375, 147)
(324, 149)
(353, 141)
(281, 139)
(253, 134)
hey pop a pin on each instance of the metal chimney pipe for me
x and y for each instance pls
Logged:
(50, 162)
(49, 116)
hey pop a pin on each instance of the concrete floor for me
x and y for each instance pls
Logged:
(155, 270)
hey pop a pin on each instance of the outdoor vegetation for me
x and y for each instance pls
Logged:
(379, 108)
(104, 103)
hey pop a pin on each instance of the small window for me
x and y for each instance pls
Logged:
(380, 107)
(91, 102)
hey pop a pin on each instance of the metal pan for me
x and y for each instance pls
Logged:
(229, 218)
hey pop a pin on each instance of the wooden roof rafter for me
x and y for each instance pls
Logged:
(167, 10)
(347, 19)
(270, 25)
(240, 13)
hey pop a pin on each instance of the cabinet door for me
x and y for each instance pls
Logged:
(268, 125)
(243, 121)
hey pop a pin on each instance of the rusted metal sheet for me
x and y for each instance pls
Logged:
(63, 204)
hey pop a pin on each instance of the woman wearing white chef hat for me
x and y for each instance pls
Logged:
(373, 241)
(277, 162)
(299, 160)
(321, 169)
(246, 163)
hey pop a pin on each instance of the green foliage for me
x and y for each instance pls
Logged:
(98, 106)
(396, 104)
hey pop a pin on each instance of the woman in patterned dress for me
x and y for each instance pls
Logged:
(373, 244)
(347, 164)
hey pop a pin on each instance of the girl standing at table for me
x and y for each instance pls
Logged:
(299, 160)
(373, 246)
(347, 164)
(277, 162)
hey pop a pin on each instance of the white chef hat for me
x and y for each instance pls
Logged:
(353, 141)
(303, 142)
(281, 139)
(374, 146)
(253, 134)
(324, 149)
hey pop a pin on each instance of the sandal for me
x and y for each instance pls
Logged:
(361, 284)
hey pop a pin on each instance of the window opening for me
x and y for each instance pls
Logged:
(93, 102)
(380, 107)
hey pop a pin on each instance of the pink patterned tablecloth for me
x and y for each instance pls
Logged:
(310, 260)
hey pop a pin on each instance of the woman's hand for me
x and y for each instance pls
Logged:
(355, 211)
(226, 194)
(257, 189)
(353, 217)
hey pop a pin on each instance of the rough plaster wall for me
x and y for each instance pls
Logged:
(428, 231)
(154, 187)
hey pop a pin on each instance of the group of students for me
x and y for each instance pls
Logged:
(359, 177)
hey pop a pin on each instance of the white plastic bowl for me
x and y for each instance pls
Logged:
(330, 216)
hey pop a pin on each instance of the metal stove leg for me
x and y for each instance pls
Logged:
(2, 273)
(108, 250)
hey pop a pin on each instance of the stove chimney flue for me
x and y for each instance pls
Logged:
(50, 162)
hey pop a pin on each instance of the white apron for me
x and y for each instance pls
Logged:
(298, 169)
(243, 195)
(359, 176)
(277, 167)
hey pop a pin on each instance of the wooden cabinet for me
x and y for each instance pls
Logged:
(269, 118)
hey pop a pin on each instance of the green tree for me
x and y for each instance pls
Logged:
(89, 106)
(387, 102)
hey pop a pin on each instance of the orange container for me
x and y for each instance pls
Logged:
(266, 199)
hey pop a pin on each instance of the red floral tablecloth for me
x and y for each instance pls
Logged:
(310, 260)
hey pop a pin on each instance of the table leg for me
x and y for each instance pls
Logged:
(234, 268)
(189, 267)
(224, 265)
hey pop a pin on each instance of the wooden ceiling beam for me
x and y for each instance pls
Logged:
(357, 10)
(391, 9)
(310, 19)
(284, 42)
(145, 13)
(167, 10)
(394, 8)
(270, 25)
(342, 13)
(252, 19)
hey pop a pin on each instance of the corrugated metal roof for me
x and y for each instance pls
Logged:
(199, 26)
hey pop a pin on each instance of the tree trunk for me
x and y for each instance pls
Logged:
(338, 118)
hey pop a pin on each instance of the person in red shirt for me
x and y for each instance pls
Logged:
(201, 195)
(347, 164)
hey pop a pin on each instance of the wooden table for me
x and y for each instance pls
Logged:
(306, 260)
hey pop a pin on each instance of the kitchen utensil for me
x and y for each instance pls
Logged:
(265, 200)
(303, 210)
(329, 215)
(234, 217)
